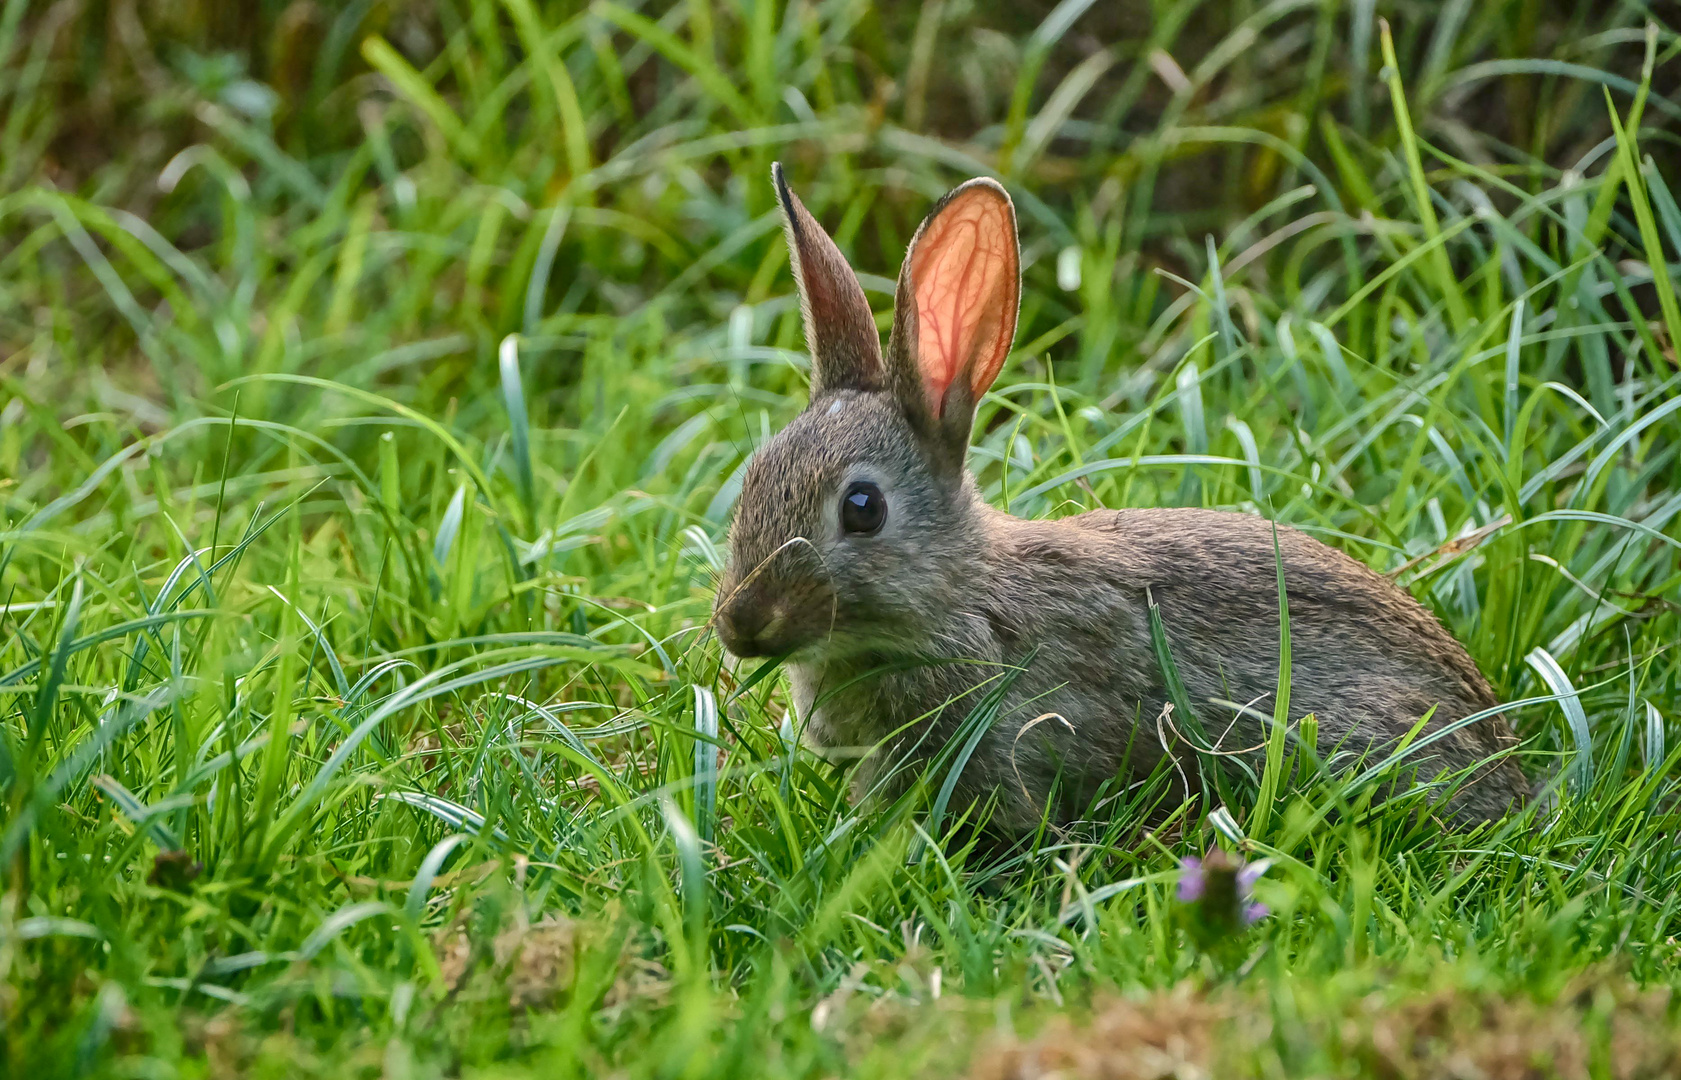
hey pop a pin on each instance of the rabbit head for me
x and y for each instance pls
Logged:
(858, 522)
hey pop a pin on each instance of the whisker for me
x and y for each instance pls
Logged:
(834, 594)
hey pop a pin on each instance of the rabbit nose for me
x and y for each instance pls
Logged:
(751, 630)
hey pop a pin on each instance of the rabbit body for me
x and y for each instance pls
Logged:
(894, 624)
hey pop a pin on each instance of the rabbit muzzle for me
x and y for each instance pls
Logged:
(772, 616)
(752, 629)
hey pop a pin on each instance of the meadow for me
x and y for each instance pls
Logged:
(376, 382)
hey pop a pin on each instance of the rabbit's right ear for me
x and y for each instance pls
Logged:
(840, 330)
(955, 315)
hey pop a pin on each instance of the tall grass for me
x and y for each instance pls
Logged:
(377, 386)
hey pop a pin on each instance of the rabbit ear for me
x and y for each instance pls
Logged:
(955, 315)
(840, 330)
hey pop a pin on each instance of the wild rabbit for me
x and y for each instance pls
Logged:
(863, 550)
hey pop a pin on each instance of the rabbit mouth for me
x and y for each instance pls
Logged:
(808, 625)
(798, 637)
(753, 627)
(751, 632)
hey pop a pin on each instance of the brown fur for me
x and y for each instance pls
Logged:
(885, 630)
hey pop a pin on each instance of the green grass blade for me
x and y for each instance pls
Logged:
(415, 906)
(1652, 745)
(513, 397)
(1581, 768)
(544, 55)
(1273, 773)
(706, 762)
(1635, 185)
(412, 85)
(1445, 282)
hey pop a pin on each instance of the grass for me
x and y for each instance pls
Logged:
(377, 382)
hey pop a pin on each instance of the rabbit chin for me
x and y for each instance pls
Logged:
(842, 643)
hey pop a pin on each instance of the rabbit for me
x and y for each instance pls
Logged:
(863, 552)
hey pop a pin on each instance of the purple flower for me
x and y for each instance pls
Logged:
(1247, 875)
(1220, 889)
(1190, 879)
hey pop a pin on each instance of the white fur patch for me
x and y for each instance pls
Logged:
(835, 407)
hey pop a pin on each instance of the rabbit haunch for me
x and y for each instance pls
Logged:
(890, 631)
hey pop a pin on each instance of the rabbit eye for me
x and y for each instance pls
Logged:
(863, 508)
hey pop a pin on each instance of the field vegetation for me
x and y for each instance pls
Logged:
(376, 381)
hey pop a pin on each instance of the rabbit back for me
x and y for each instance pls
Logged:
(1367, 660)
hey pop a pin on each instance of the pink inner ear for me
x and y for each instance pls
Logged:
(966, 276)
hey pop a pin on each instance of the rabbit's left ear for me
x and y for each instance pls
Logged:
(955, 315)
(840, 331)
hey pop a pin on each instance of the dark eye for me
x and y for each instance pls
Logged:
(863, 508)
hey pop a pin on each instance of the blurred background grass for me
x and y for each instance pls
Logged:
(1117, 122)
(375, 381)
